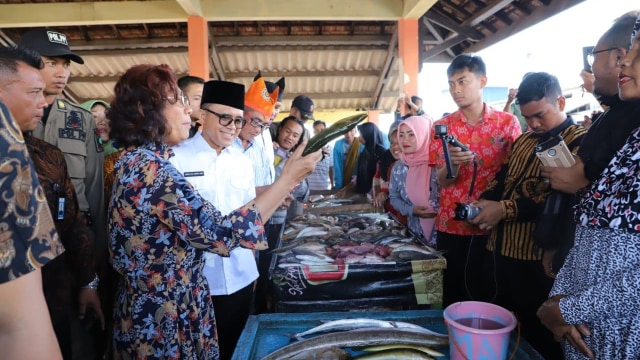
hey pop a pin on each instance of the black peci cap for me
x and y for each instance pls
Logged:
(223, 93)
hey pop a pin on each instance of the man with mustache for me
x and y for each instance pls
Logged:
(71, 275)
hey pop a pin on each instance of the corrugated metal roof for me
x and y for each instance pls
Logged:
(340, 64)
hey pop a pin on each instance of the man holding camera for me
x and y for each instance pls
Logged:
(488, 134)
(515, 199)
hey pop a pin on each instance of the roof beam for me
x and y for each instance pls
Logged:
(191, 7)
(341, 95)
(436, 35)
(168, 11)
(301, 40)
(269, 74)
(537, 15)
(385, 73)
(446, 23)
(133, 52)
(249, 74)
(214, 55)
(290, 48)
(128, 44)
(414, 9)
(490, 9)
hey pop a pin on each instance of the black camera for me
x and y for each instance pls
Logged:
(441, 132)
(466, 211)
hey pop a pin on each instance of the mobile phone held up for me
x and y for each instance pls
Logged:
(586, 52)
(554, 152)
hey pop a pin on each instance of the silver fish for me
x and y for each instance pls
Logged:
(416, 248)
(346, 324)
(315, 258)
(358, 338)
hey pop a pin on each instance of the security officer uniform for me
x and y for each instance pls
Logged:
(72, 129)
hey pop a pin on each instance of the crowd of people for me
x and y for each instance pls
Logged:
(135, 228)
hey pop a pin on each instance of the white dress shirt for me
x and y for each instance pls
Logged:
(267, 143)
(225, 180)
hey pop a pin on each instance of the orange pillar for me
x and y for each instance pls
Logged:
(198, 43)
(408, 52)
(374, 116)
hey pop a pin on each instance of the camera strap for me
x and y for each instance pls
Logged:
(473, 177)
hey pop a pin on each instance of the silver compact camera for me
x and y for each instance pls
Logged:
(465, 211)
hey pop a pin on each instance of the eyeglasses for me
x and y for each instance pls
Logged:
(226, 119)
(256, 123)
(184, 100)
(591, 56)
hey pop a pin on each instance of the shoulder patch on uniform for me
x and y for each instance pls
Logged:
(61, 104)
(73, 120)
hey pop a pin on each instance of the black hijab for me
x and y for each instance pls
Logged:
(374, 150)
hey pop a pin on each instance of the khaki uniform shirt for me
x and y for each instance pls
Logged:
(72, 129)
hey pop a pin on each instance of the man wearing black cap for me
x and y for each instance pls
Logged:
(302, 107)
(70, 127)
(224, 176)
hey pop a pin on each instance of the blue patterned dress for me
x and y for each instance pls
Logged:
(400, 201)
(159, 228)
(601, 274)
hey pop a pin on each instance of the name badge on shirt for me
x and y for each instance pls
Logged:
(193, 173)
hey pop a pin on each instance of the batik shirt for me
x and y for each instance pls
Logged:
(159, 227)
(522, 191)
(490, 139)
(601, 274)
(28, 238)
(62, 277)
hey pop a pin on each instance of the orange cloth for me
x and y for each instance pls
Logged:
(260, 99)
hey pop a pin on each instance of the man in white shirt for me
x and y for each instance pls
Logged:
(267, 141)
(223, 176)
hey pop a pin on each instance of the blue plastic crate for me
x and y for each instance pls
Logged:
(266, 333)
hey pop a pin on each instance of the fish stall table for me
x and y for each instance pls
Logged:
(325, 202)
(266, 333)
(353, 262)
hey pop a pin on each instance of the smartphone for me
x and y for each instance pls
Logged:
(555, 152)
(586, 51)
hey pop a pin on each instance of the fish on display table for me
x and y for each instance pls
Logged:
(360, 338)
(349, 239)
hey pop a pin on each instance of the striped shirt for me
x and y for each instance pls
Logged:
(319, 178)
(520, 186)
(262, 169)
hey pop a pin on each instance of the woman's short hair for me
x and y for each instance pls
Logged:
(136, 111)
(297, 121)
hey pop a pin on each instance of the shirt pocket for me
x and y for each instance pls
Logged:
(241, 183)
(75, 154)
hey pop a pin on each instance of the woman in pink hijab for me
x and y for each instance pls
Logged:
(420, 190)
